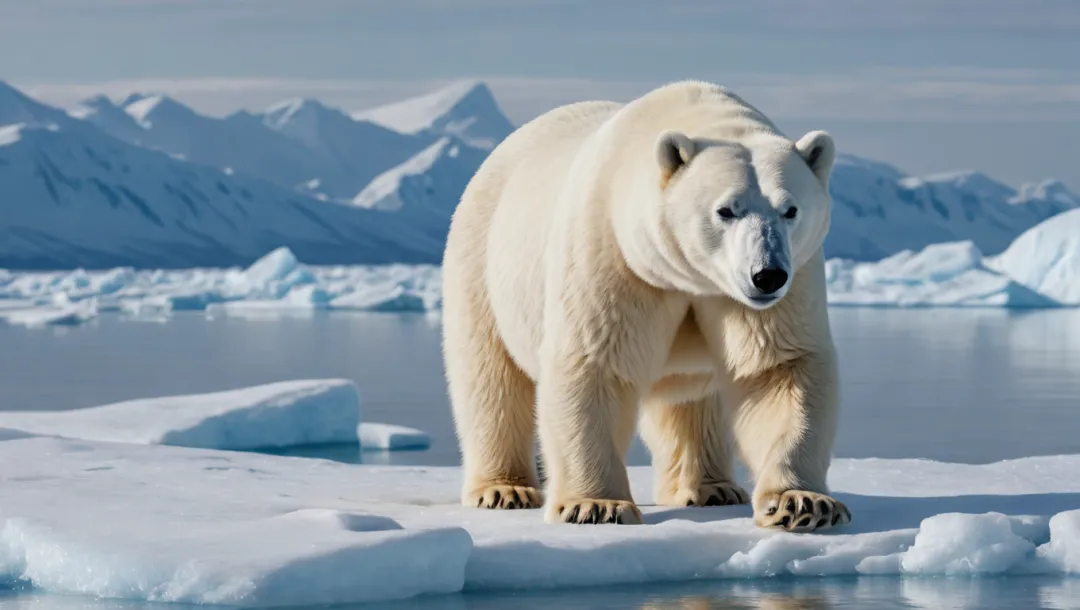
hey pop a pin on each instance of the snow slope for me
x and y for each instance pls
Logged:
(466, 110)
(249, 529)
(350, 152)
(425, 189)
(283, 414)
(1046, 258)
(74, 196)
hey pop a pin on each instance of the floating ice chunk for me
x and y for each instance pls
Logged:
(1062, 552)
(390, 297)
(391, 437)
(273, 415)
(309, 295)
(70, 314)
(965, 544)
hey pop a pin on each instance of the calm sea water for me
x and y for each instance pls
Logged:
(964, 386)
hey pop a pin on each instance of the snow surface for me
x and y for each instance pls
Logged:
(389, 437)
(191, 525)
(283, 414)
(1046, 258)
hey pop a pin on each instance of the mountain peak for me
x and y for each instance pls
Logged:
(465, 109)
(1048, 190)
(144, 108)
(300, 109)
(17, 107)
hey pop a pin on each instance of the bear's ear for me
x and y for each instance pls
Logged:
(673, 150)
(819, 152)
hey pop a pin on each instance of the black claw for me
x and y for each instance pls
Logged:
(714, 500)
(498, 497)
(822, 507)
(836, 518)
(806, 505)
(480, 502)
(690, 502)
(821, 523)
(574, 515)
(804, 521)
(790, 506)
(785, 521)
(516, 496)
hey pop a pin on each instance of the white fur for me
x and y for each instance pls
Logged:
(588, 272)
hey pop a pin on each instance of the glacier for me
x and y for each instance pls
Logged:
(258, 530)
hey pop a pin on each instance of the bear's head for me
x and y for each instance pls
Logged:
(745, 215)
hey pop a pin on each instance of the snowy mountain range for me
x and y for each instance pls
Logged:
(149, 182)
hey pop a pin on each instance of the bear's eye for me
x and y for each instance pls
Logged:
(726, 213)
(791, 212)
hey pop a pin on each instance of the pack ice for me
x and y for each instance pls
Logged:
(1040, 269)
(163, 523)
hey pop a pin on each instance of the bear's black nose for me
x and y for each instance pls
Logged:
(769, 280)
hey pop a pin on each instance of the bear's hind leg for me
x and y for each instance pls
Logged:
(493, 402)
(691, 452)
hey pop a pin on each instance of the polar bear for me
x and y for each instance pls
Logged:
(656, 266)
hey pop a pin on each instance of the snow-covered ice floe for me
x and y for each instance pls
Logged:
(1041, 269)
(270, 416)
(283, 414)
(193, 525)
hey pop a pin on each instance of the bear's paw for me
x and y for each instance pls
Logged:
(506, 497)
(799, 511)
(584, 511)
(719, 493)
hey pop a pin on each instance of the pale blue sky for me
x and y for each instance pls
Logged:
(925, 84)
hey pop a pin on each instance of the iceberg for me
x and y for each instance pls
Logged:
(942, 275)
(283, 414)
(1046, 258)
(202, 526)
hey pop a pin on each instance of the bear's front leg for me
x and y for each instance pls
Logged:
(586, 417)
(785, 425)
